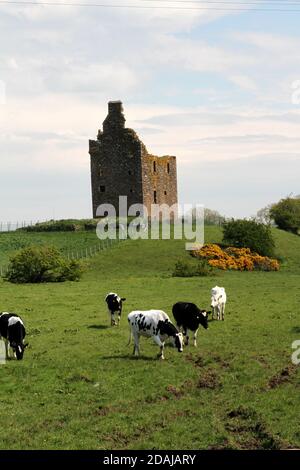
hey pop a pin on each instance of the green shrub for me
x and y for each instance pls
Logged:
(185, 269)
(286, 214)
(64, 225)
(249, 234)
(42, 264)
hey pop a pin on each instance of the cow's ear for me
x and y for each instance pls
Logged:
(25, 345)
(123, 299)
(208, 312)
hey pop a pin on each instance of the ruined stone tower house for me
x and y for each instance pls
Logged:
(122, 166)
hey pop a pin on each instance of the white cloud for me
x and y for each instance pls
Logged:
(244, 82)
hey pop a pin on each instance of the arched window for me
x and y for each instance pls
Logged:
(154, 197)
(168, 167)
(154, 167)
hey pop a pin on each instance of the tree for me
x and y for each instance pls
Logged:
(286, 214)
(243, 233)
(263, 215)
(211, 217)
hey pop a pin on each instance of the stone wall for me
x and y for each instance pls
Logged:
(121, 165)
(159, 180)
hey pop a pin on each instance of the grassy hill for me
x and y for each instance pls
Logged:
(65, 241)
(79, 387)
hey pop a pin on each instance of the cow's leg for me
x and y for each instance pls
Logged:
(136, 347)
(223, 311)
(113, 321)
(110, 314)
(7, 352)
(119, 317)
(219, 311)
(195, 337)
(161, 344)
(186, 334)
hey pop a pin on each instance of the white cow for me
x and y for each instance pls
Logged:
(218, 301)
(156, 324)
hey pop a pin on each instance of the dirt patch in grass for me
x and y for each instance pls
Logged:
(261, 360)
(151, 400)
(209, 379)
(103, 410)
(201, 361)
(282, 377)
(179, 392)
(220, 361)
(176, 392)
(80, 378)
(34, 332)
(249, 431)
(197, 361)
(222, 445)
(118, 439)
(71, 330)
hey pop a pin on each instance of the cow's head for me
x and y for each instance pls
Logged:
(18, 349)
(178, 340)
(203, 318)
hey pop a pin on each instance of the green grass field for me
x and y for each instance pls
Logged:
(79, 387)
(65, 241)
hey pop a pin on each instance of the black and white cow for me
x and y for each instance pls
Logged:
(114, 304)
(12, 330)
(155, 324)
(189, 317)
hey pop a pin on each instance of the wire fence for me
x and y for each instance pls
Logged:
(78, 253)
(13, 226)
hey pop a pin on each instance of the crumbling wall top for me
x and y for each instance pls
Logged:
(115, 120)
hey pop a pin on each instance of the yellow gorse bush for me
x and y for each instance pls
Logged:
(240, 259)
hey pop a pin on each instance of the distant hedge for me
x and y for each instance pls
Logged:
(64, 225)
(36, 264)
(70, 225)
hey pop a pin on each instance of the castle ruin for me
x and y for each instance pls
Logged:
(122, 166)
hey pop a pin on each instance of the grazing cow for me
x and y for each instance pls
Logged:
(13, 332)
(218, 301)
(155, 324)
(189, 317)
(114, 304)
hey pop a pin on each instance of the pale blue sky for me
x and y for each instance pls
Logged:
(212, 88)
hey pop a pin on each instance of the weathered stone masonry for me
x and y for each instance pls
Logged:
(121, 165)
